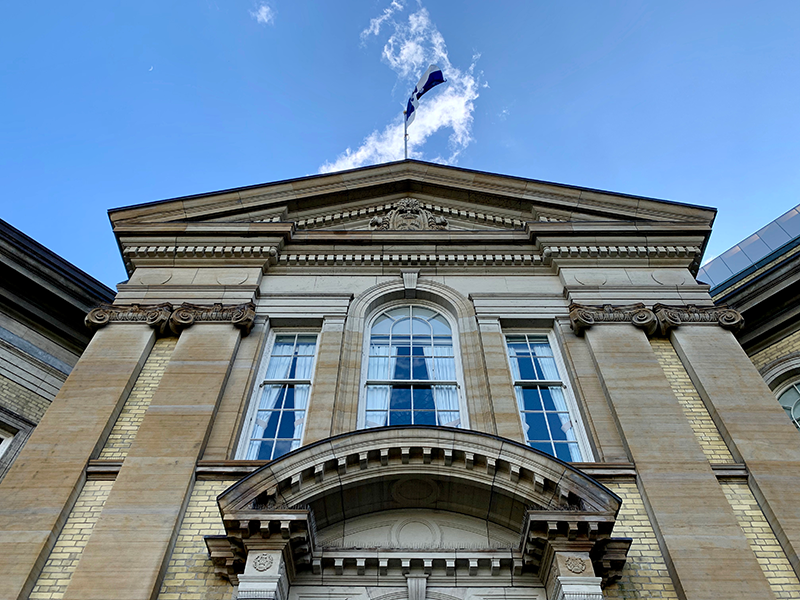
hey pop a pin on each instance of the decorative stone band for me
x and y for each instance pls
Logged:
(660, 319)
(164, 318)
(550, 252)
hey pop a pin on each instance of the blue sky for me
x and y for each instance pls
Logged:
(106, 104)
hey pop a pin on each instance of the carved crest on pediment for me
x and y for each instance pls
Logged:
(408, 215)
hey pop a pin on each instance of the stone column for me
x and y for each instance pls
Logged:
(319, 413)
(571, 577)
(751, 421)
(696, 526)
(40, 488)
(503, 401)
(265, 576)
(131, 543)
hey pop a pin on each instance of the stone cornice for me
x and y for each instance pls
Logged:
(166, 318)
(660, 319)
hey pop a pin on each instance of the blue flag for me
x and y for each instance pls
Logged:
(429, 80)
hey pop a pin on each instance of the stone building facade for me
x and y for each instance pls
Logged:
(408, 381)
(43, 303)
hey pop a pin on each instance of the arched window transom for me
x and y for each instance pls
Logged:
(790, 401)
(411, 372)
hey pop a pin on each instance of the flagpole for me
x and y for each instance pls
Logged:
(405, 135)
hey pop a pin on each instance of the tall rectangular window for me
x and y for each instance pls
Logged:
(279, 419)
(546, 418)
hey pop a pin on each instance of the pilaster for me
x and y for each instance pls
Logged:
(326, 379)
(135, 532)
(40, 488)
(693, 519)
(503, 401)
(752, 423)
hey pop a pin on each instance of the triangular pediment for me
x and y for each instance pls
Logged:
(464, 200)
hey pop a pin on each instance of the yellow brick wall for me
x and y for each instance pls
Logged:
(695, 410)
(63, 559)
(21, 400)
(190, 573)
(782, 579)
(130, 418)
(645, 573)
(789, 344)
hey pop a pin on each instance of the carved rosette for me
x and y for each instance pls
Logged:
(163, 317)
(661, 319)
(157, 316)
(408, 215)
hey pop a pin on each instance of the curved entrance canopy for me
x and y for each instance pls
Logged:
(341, 479)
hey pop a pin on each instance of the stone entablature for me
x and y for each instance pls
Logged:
(658, 320)
(166, 318)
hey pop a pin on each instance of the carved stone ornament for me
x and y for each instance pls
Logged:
(408, 215)
(164, 317)
(661, 318)
(157, 316)
(575, 565)
(262, 562)
(582, 316)
(673, 315)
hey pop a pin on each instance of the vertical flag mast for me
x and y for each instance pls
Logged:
(430, 79)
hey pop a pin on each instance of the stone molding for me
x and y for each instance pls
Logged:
(167, 319)
(660, 319)
(550, 252)
(555, 506)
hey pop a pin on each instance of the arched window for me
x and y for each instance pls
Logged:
(789, 399)
(411, 370)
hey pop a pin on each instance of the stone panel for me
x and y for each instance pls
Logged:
(503, 406)
(324, 384)
(132, 414)
(190, 572)
(63, 559)
(702, 541)
(140, 521)
(776, 566)
(695, 410)
(42, 484)
(752, 423)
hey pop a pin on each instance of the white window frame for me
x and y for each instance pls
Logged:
(793, 382)
(370, 321)
(6, 439)
(260, 381)
(566, 386)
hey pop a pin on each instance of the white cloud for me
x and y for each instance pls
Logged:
(264, 14)
(414, 44)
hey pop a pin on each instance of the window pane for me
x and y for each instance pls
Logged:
(528, 398)
(266, 424)
(279, 367)
(423, 398)
(568, 452)
(440, 326)
(553, 398)
(420, 369)
(560, 427)
(382, 325)
(375, 418)
(401, 397)
(525, 368)
(284, 345)
(272, 396)
(543, 446)
(449, 419)
(547, 368)
(378, 397)
(445, 369)
(425, 417)
(789, 397)
(535, 427)
(259, 451)
(422, 312)
(283, 447)
(402, 368)
(421, 328)
(400, 417)
(401, 327)
(306, 345)
(286, 428)
(446, 397)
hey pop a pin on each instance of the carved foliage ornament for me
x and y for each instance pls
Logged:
(408, 215)
(164, 318)
(575, 565)
(661, 318)
(262, 562)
